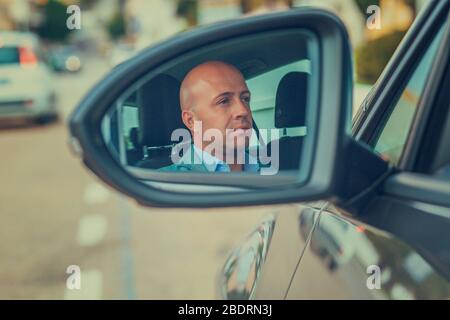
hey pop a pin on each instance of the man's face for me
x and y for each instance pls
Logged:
(220, 99)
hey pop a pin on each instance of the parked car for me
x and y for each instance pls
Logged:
(26, 87)
(65, 59)
(367, 203)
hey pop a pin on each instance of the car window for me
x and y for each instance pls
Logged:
(393, 135)
(9, 55)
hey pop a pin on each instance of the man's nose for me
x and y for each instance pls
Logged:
(241, 109)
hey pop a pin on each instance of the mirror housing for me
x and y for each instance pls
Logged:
(333, 128)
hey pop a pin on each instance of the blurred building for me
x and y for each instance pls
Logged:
(212, 11)
(149, 21)
(347, 10)
(253, 7)
(396, 15)
(216, 10)
(6, 22)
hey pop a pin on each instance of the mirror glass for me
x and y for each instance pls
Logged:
(244, 107)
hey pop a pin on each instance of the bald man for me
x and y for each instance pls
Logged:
(215, 107)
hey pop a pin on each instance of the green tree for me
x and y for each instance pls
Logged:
(364, 4)
(372, 57)
(54, 26)
(116, 26)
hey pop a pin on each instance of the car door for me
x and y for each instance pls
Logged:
(397, 246)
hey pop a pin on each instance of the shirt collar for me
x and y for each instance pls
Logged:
(213, 164)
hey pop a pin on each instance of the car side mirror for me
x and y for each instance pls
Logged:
(274, 91)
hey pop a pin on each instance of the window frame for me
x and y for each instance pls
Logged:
(422, 150)
(395, 103)
(398, 70)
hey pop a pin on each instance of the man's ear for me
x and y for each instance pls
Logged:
(188, 119)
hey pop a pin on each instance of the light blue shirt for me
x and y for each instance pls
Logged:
(214, 164)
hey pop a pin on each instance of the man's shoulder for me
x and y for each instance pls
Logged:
(189, 162)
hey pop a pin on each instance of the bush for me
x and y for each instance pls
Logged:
(372, 57)
(54, 26)
(188, 9)
(116, 26)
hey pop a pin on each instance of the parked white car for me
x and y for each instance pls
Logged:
(26, 85)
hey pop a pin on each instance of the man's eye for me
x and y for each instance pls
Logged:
(246, 99)
(224, 101)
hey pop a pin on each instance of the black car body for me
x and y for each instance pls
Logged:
(317, 251)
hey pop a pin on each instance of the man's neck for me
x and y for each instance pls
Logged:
(231, 156)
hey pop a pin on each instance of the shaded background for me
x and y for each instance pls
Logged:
(54, 213)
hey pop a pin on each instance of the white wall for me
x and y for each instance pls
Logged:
(347, 10)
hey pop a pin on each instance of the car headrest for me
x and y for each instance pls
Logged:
(291, 100)
(159, 112)
(134, 137)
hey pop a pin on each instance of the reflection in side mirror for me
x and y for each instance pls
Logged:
(232, 107)
(246, 112)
